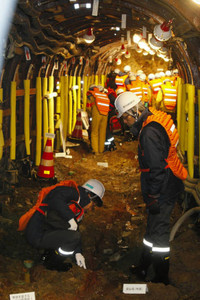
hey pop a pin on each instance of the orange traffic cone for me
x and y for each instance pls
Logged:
(77, 132)
(46, 168)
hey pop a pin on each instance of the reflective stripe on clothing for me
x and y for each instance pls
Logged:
(158, 228)
(169, 96)
(102, 102)
(146, 243)
(155, 85)
(120, 80)
(156, 249)
(65, 252)
(161, 249)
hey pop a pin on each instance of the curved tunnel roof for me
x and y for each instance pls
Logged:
(56, 28)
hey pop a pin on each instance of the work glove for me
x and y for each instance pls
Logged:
(73, 225)
(80, 260)
(152, 205)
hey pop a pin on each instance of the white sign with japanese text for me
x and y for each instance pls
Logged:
(132, 288)
(23, 296)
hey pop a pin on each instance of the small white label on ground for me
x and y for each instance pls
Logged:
(102, 164)
(23, 296)
(132, 288)
(62, 154)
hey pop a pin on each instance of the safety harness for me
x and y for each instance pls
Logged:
(74, 206)
(172, 160)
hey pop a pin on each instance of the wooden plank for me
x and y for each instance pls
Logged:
(21, 92)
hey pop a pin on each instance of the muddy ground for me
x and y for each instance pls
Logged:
(112, 236)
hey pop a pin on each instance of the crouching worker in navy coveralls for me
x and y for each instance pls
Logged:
(161, 180)
(52, 224)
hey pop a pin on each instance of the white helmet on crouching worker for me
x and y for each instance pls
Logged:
(96, 190)
(125, 102)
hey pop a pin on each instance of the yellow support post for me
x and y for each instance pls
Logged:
(79, 92)
(13, 121)
(70, 107)
(62, 102)
(66, 123)
(96, 79)
(103, 80)
(74, 103)
(38, 121)
(27, 115)
(58, 99)
(85, 89)
(51, 106)
(1, 124)
(45, 112)
(191, 125)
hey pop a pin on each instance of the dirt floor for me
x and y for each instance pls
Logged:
(112, 236)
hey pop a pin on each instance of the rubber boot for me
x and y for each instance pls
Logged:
(53, 261)
(161, 268)
(145, 261)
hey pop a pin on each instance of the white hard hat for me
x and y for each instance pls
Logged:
(92, 86)
(119, 91)
(132, 77)
(139, 72)
(125, 101)
(175, 71)
(166, 80)
(96, 187)
(100, 87)
(142, 77)
(127, 69)
(168, 73)
(157, 75)
(151, 76)
(117, 71)
(162, 74)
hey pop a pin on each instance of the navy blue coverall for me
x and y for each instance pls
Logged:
(160, 189)
(51, 231)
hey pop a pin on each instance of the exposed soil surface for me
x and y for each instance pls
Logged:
(111, 236)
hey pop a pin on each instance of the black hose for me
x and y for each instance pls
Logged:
(181, 220)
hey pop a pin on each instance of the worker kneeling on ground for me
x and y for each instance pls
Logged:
(161, 180)
(52, 224)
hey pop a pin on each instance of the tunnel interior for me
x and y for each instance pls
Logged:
(46, 38)
(48, 67)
